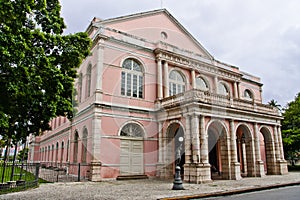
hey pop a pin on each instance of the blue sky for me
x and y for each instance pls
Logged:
(260, 37)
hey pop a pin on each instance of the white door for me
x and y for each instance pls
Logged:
(131, 158)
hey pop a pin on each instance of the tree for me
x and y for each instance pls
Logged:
(274, 104)
(23, 154)
(291, 129)
(38, 66)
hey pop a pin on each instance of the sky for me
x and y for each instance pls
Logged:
(261, 37)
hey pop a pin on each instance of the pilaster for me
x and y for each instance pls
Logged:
(166, 79)
(235, 166)
(159, 80)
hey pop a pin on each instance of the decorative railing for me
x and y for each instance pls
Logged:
(216, 100)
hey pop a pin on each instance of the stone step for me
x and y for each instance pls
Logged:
(132, 177)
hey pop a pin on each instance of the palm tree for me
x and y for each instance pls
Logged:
(274, 104)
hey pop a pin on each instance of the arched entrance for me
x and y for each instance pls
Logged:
(267, 150)
(132, 149)
(245, 151)
(218, 148)
(175, 149)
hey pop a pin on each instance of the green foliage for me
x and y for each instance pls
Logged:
(291, 129)
(274, 104)
(23, 154)
(38, 66)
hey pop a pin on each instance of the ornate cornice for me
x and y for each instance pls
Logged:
(199, 63)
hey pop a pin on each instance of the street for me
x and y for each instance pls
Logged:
(288, 193)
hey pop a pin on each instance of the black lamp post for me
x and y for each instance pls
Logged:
(177, 184)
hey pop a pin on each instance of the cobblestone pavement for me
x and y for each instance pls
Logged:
(144, 189)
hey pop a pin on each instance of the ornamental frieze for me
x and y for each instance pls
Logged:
(202, 66)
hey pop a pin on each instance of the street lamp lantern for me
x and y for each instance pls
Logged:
(177, 184)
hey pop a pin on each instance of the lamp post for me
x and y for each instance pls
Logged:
(177, 184)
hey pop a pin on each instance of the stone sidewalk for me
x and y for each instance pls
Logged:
(149, 189)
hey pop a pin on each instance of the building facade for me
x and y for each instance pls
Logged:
(150, 97)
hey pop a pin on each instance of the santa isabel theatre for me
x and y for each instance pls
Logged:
(149, 92)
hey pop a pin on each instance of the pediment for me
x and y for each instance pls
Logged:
(156, 27)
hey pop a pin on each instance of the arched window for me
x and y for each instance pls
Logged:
(68, 146)
(75, 150)
(132, 130)
(88, 80)
(84, 146)
(49, 150)
(248, 94)
(222, 89)
(201, 84)
(52, 156)
(79, 87)
(56, 153)
(132, 79)
(176, 83)
(62, 151)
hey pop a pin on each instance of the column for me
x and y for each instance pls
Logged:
(188, 141)
(238, 89)
(233, 143)
(216, 84)
(282, 163)
(235, 90)
(204, 142)
(259, 165)
(193, 79)
(159, 80)
(257, 142)
(166, 79)
(235, 165)
(280, 143)
(195, 139)
(277, 150)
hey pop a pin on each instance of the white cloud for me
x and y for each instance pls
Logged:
(260, 37)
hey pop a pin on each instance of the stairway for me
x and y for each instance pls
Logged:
(131, 177)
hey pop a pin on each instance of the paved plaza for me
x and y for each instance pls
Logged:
(146, 189)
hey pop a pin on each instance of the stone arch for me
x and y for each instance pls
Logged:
(218, 149)
(245, 150)
(175, 149)
(267, 149)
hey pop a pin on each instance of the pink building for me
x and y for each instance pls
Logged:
(149, 92)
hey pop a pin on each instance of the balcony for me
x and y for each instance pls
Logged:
(212, 99)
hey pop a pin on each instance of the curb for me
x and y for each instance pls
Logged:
(228, 193)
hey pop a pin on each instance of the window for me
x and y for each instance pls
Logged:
(76, 136)
(56, 153)
(222, 89)
(88, 80)
(62, 151)
(201, 84)
(132, 79)
(52, 153)
(176, 83)
(79, 88)
(132, 130)
(248, 95)
(84, 146)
